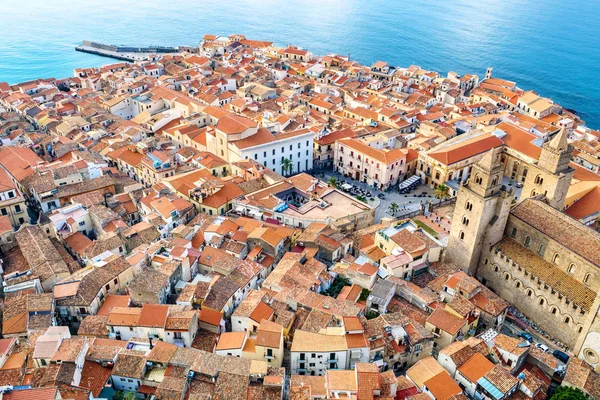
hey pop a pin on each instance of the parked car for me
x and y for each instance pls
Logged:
(381, 196)
(526, 335)
(519, 185)
(562, 356)
(542, 347)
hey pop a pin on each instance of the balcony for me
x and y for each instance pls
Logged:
(269, 357)
(332, 360)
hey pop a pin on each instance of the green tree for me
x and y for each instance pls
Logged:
(338, 284)
(364, 294)
(394, 208)
(442, 192)
(332, 181)
(568, 393)
(287, 166)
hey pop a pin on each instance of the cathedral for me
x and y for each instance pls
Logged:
(529, 252)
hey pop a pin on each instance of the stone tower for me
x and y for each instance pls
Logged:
(480, 213)
(488, 73)
(552, 175)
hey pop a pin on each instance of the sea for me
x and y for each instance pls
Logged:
(550, 46)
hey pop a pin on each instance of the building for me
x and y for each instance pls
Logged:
(301, 200)
(12, 201)
(524, 254)
(314, 353)
(378, 166)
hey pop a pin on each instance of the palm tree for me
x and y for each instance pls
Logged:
(332, 181)
(394, 208)
(287, 166)
(442, 192)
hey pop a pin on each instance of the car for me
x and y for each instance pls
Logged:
(562, 356)
(381, 196)
(519, 185)
(526, 335)
(542, 347)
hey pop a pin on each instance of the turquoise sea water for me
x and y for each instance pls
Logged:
(550, 46)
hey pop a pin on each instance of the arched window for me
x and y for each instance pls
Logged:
(496, 268)
(539, 180)
(529, 292)
(527, 241)
(465, 221)
(461, 235)
(571, 269)
(554, 310)
(580, 329)
(517, 284)
(541, 301)
(567, 319)
(506, 276)
(541, 250)
(587, 278)
(555, 258)
(469, 206)
(495, 181)
(478, 179)
(513, 233)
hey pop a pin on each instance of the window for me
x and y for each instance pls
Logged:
(465, 221)
(517, 284)
(469, 206)
(506, 276)
(541, 301)
(529, 292)
(11, 194)
(539, 180)
(513, 233)
(527, 241)
(554, 310)
(264, 154)
(291, 147)
(541, 250)
(81, 223)
(461, 235)
(586, 279)
(107, 286)
(555, 258)
(567, 320)
(571, 269)
(299, 145)
(273, 151)
(17, 208)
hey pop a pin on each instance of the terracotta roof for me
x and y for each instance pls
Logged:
(442, 386)
(32, 394)
(384, 156)
(124, 316)
(154, 315)
(262, 311)
(465, 149)
(476, 367)
(210, 316)
(549, 273)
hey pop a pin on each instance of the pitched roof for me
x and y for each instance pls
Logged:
(442, 386)
(476, 367)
